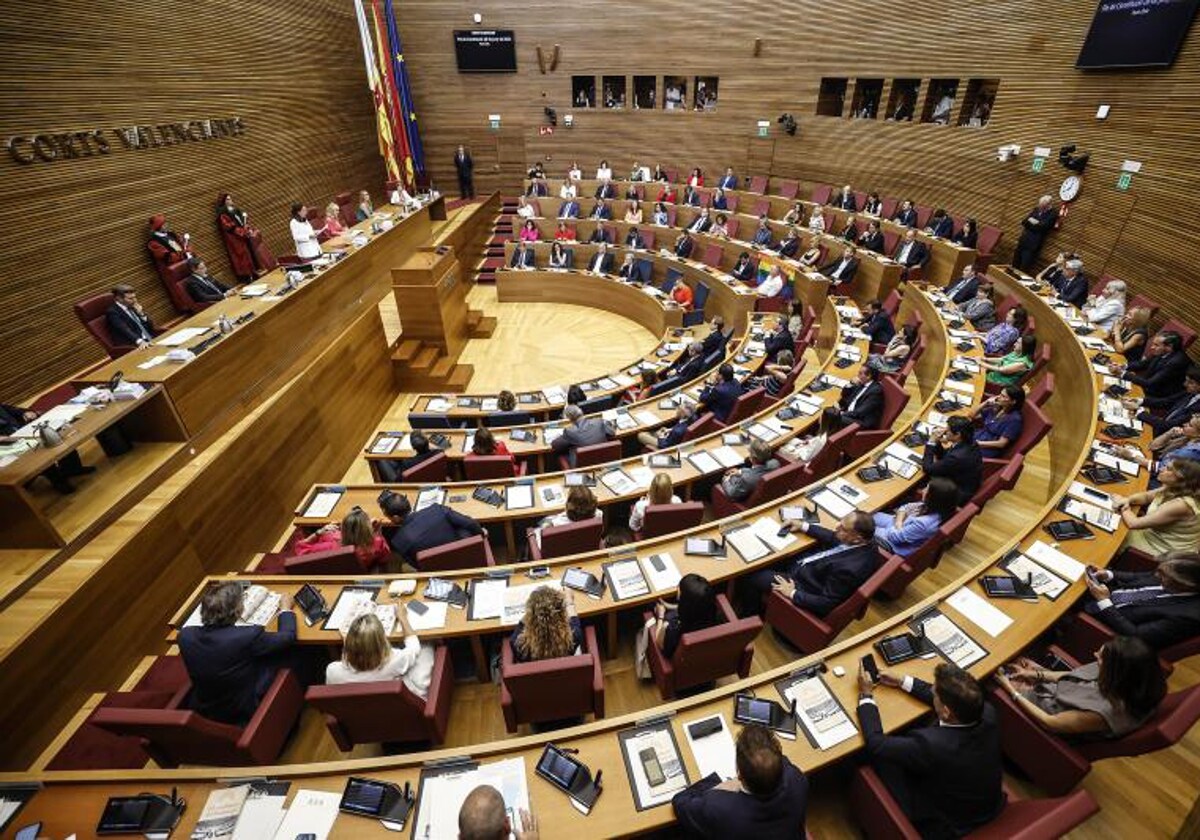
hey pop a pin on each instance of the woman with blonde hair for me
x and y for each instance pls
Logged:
(365, 208)
(367, 656)
(661, 492)
(1131, 333)
(356, 530)
(1171, 519)
(550, 628)
(333, 225)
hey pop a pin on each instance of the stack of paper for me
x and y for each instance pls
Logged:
(727, 456)
(433, 619)
(626, 579)
(310, 815)
(986, 615)
(1054, 560)
(662, 571)
(322, 504)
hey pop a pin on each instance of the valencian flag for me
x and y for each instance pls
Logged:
(383, 122)
(413, 162)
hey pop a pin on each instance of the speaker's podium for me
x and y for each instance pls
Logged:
(432, 301)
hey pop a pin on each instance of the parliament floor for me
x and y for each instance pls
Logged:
(539, 344)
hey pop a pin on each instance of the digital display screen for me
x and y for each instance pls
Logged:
(485, 50)
(558, 767)
(363, 797)
(1136, 33)
(753, 710)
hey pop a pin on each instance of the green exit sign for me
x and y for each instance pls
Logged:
(1038, 163)
(1124, 180)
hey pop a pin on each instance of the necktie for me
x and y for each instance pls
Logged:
(820, 555)
(1125, 597)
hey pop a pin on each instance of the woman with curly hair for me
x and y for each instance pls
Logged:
(550, 628)
(1170, 520)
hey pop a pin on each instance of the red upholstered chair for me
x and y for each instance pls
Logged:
(732, 225)
(1035, 426)
(821, 193)
(860, 200)
(830, 456)
(335, 561)
(561, 540)
(702, 425)
(91, 313)
(773, 485)
(772, 304)
(985, 245)
(647, 238)
(891, 304)
(890, 238)
(57, 395)
(880, 815)
(387, 711)
(949, 533)
(480, 467)
(175, 735)
(672, 174)
(956, 224)
(1144, 302)
(1003, 479)
(712, 255)
(670, 215)
(788, 189)
(467, 553)
(346, 208)
(705, 197)
(1057, 766)
(887, 207)
(552, 689)
(731, 205)
(703, 656)
(670, 519)
(789, 384)
(745, 406)
(895, 398)
(810, 633)
(762, 207)
(1185, 332)
(1044, 351)
(173, 278)
(758, 184)
(923, 214)
(590, 456)
(433, 469)
(1042, 391)
(1080, 634)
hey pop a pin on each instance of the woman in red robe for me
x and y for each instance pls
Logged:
(167, 247)
(248, 254)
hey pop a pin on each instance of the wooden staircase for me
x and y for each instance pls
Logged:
(502, 232)
(418, 366)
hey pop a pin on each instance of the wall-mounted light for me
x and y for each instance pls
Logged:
(478, 18)
(568, 120)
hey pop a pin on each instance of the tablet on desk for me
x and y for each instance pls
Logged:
(704, 547)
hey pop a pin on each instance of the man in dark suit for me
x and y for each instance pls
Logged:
(605, 190)
(569, 209)
(629, 270)
(780, 339)
(744, 269)
(820, 579)
(845, 200)
(689, 365)
(1161, 607)
(1037, 225)
(964, 288)
(391, 469)
(872, 238)
(1177, 407)
(538, 188)
(910, 252)
(232, 667)
(721, 392)
(523, 257)
(58, 474)
(127, 321)
(684, 245)
(906, 215)
(465, 167)
(701, 223)
(762, 236)
(1160, 372)
(601, 261)
(741, 481)
(769, 797)
(946, 776)
(843, 268)
(715, 338)
(789, 245)
(673, 434)
(941, 225)
(954, 454)
(601, 210)
(201, 286)
(580, 431)
(861, 402)
(691, 196)
(410, 533)
(633, 239)
(1073, 287)
(599, 236)
(876, 324)
(728, 181)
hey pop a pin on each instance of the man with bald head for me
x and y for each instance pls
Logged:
(483, 816)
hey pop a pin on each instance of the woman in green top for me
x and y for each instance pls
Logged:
(1009, 369)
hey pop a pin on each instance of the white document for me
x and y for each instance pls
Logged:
(747, 544)
(607, 384)
(438, 404)
(388, 444)
(979, 610)
(818, 712)
(489, 404)
(667, 577)
(714, 753)
(260, 817)
(727, 456)
(183, 336)
(350, 605)
(1089, 494)
(964, 363)
(619, 482)
(56, 418)
(554, 396)
(312, 812)
(767, 530)
(848, 491)
(965, 387)
(658, 740)
(763, 432)
(442, 796)
(468, 442)
(220, 815)
(806, 404)
(552, 495)
(429, 496)
(645, 417)
(642, 476)
(1117, 463)
(487, 598)
(1054, 560)
(1092, 514)
(322, 504)
(952, 641)
(433, 619)
(1043, 581)
(552, 433)
(832, 503)
(153, 362)
(627, 579)
(254, 290)
(704, 462)
(518, 496)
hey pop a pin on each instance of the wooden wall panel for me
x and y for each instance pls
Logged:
(292, 71)
(1042, 101)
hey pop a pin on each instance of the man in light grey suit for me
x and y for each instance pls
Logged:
(739, 482)
(581, 431)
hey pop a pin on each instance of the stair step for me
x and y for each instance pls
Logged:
(460, 378)
(442, 368)
(485, 327)
(425, 359)
(407, 350)
(474, 316)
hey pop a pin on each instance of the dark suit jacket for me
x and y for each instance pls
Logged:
(872, 242)
(522, 259)
(588, 431)
(601, 211)
(205, 289)
(719, 398)
(781, 339)
(12, 417)
(918, 254)
(1034, 232)
(712, 342)
(703, 811)
(943, 227)
(1159, 623)
(824, 583)
(428, 528)
(569, 210)
(762, 236)
(684, 248)
(231, 668)
(788, 247)
(952, 775)
(605, 190)
(1159, 375)
(962, 462)
(868, 410)
(600, 235)
(879, 328)
(1179, 407)
(846, 275)
(670, 436)
(908, 217)
(700, 225)
(634, 240)
(744, 273)
(1075, 290)
(689, 367)
(728, 182)
(124, 325)
(464, 165)
(606, 263)
(961, 291)
(845, 201)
